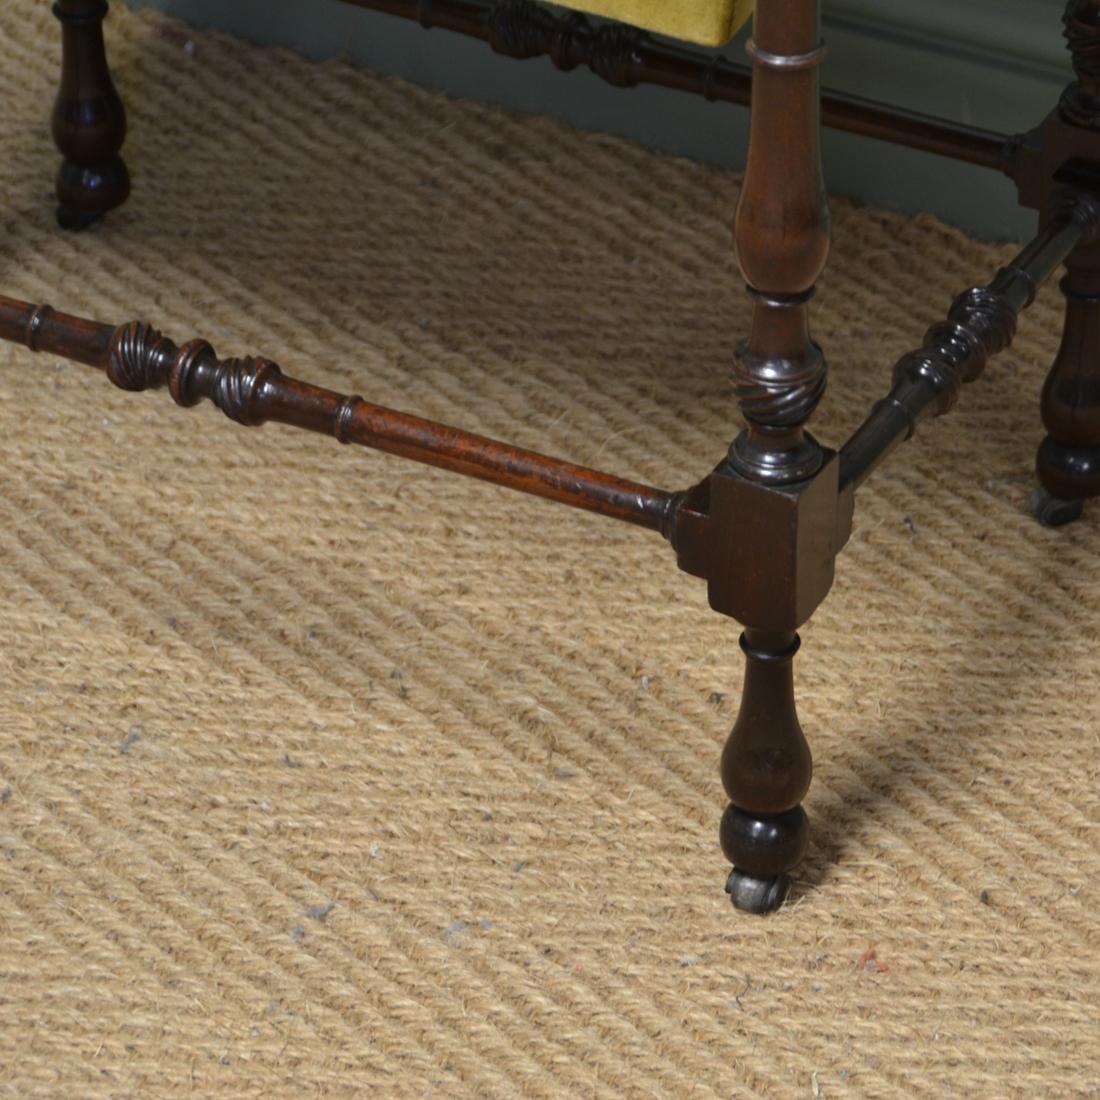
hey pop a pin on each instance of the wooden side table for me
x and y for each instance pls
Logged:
(764, 526)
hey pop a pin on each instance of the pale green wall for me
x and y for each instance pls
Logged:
(992, 63)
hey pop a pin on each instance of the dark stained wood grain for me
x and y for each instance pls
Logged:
(772, 503)
(781, 230)
(1068, 459)
(252, 391)
(980, 323)
(89, 122)
(763, 528)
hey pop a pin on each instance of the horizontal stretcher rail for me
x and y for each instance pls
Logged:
(624, 56)
(251, 391)
(980, 323)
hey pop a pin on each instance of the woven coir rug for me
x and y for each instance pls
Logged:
(328, 774)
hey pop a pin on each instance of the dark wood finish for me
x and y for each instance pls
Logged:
(1080, 102)
(1068, 460)
(766, 772)
(781, 230)
(761, 529)
(89, 122)
(764, 527)
(252, 391)
(980, 323)
(782, 233)
(625, 57)
(766, 551)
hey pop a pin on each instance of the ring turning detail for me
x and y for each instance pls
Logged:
(788, 62)
(763, 528)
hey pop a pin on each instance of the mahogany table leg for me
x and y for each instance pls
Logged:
(89, 122)
(765, 526)
(782, 237)
(1068, 463)
(766, 771)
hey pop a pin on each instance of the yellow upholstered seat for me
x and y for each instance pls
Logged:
(710, 22)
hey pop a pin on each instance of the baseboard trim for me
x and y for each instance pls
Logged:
(1023, 37)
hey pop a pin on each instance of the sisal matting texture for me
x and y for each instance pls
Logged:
(325, 774)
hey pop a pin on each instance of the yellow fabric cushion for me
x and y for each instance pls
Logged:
(710, 22)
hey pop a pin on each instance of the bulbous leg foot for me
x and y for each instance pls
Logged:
(766, 769)
(85, 192)
(762, 849)
(1052, 511)
(758, 894)
(1068, 462)
(75, 220)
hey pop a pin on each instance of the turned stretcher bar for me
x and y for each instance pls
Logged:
(252, 391)
(980, 323)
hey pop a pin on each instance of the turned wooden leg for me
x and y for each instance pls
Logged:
(89, 122)
(1068, 462)
(766, 770)
(782, 238)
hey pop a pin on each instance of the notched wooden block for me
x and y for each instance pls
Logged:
(767, 552)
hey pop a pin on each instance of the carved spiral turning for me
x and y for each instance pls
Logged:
(1080, 23)
(137, 358)
(979, 324)
(779, 392)
(614, 54)
(1079, 103)
(140, 358)
(988, 319)
(523, 29)
(238, 388)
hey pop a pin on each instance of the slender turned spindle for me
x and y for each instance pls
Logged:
(782, 235)
(766, 772)
(980, 323)
(89, 122)
(1068, 462)
(253, 391)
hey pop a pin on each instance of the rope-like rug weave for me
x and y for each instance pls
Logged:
(322, 773)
